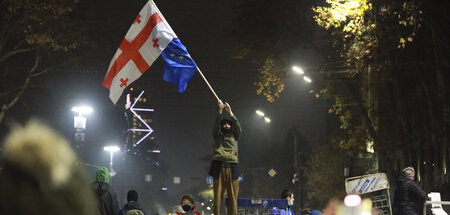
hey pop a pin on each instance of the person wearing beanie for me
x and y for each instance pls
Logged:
(39, 174)
(132, 204)
(106, 197)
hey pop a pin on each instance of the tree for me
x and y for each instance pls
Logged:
(385, 64)
(270, 31)
(30, 32)
(324, 173)
(394, 64)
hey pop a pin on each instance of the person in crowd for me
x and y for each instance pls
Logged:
(187, 206)
(132, 203)
(224, 165)
(409, 197)
(39, 174)
(106, 196)
(289, 196)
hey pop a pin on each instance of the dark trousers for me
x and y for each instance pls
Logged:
(226, 183)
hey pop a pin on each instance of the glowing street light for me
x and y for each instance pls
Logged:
(260, 113)
(111, 150)
(79, 123)
(82, 109)
(307, 79)
(263, 115)
(298, 70)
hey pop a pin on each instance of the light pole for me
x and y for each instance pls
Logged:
(79, 123)
(297, 172)
(111, 150)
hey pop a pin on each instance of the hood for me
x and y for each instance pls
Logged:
(102, 175)
(132, 205)
(403, 178)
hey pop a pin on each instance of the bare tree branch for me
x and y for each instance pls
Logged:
(7, 106)
(12, 53)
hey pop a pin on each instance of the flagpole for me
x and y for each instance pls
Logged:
(207, 83)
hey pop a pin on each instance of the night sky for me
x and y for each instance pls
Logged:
(182, 122)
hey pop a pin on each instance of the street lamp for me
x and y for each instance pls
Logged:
(307, 79)
(111, 150)
(79, 123)
(301, 72)
(298, 70)
(262, 114)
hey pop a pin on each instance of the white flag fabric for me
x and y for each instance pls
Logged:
(147, 37)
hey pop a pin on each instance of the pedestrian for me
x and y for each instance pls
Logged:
(132, 203)
(224, 165)
(39, 174)
(289, 196)
(187, 206)
(409, 197)
(106, 197)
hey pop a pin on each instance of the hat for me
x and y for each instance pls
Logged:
(409, 168)
(132, 195)
(102, 175)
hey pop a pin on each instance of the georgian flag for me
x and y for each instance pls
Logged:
(148, 37)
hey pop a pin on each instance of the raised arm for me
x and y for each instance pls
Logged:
(237, 129)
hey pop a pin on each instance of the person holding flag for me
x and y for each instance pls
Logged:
(224, 165)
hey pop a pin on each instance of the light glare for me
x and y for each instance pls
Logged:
(352, 200)
(82, 109)
(298, 70)
(267, 119)
(111, 148)
(307, 79)
(260, 113)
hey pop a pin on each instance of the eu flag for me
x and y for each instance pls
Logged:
(180, 67)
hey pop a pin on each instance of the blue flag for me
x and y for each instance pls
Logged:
(180, 67)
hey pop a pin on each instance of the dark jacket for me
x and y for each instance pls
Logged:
(131, 206)
(409, 197)
(226, 144)
(107, 198)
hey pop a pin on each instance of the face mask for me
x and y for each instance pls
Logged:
(226, 126)
(290, 202)
(186, 208)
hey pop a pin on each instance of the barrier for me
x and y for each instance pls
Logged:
(373, 186)
(259, 206)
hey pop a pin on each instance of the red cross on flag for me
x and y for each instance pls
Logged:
(147, 37)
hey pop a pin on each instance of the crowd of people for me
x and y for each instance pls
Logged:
(40, 174)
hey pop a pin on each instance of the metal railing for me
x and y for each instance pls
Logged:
(434, 202)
